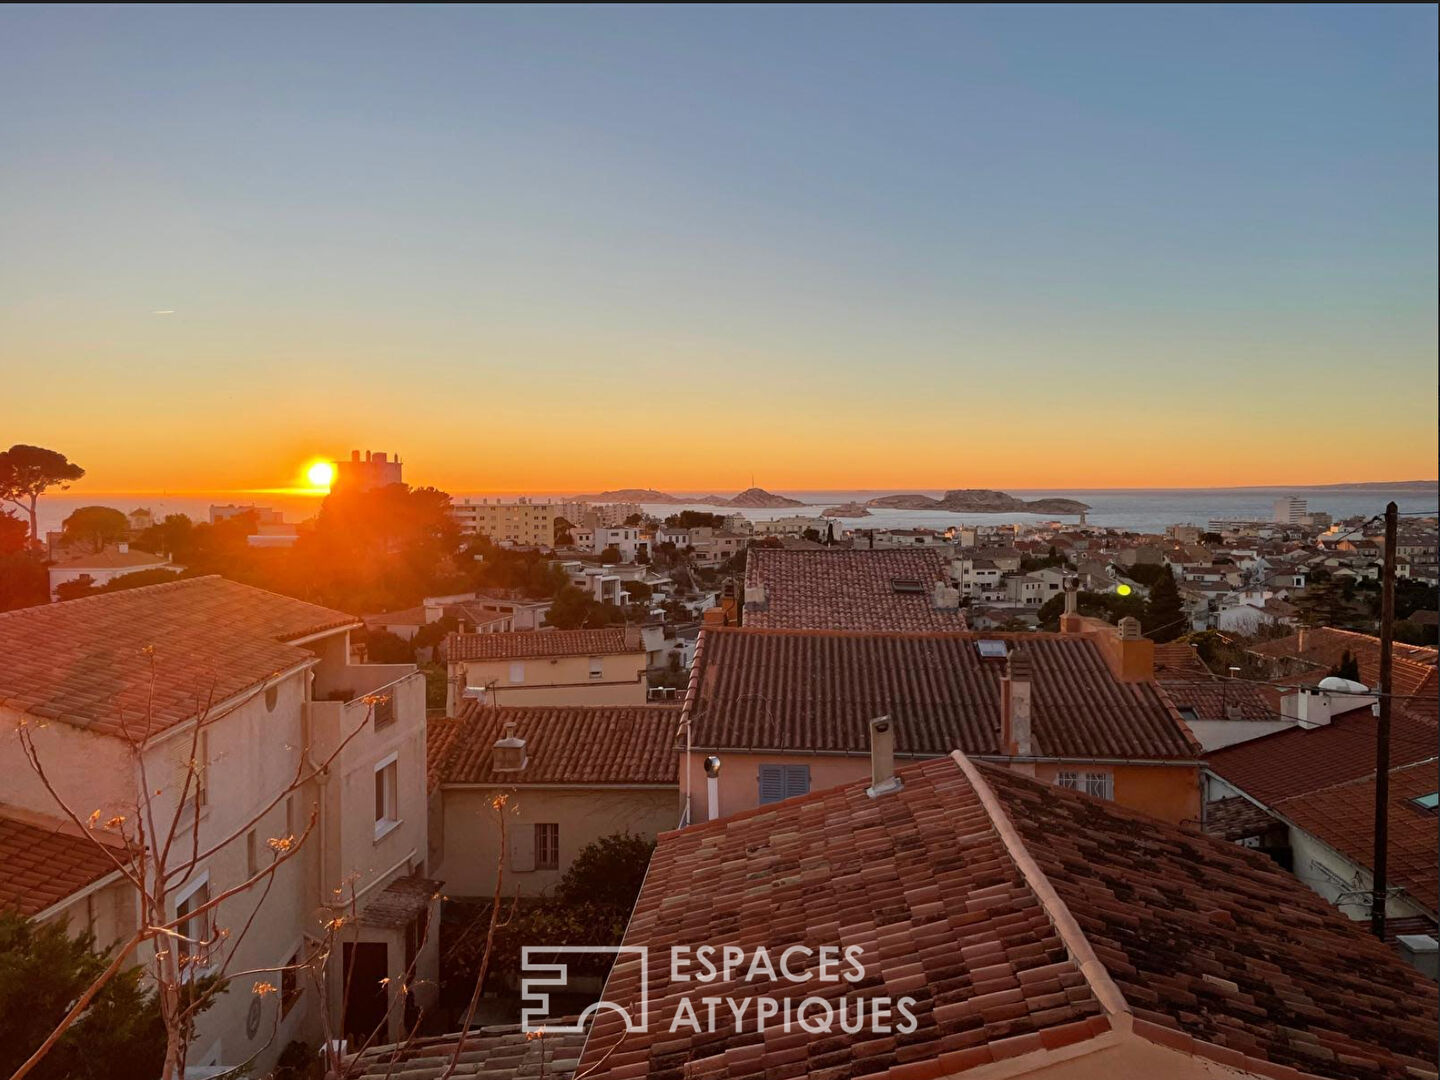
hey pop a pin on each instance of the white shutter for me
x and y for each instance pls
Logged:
(772, 783)
(522, 848)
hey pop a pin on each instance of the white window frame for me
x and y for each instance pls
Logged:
(1099, 783)
(517, 671)
(542, 863)
(200, 966)
(389, 797)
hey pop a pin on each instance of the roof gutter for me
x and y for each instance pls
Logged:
(930, 755)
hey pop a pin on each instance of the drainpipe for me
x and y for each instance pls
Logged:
(712, 787)
(322, 779)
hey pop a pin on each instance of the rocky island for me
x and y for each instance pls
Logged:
(846, 510)
(979, 501)
(752, 498)
(758, 499)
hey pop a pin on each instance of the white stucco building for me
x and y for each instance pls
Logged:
(252, 726)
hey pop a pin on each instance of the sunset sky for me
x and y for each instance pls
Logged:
(564, 249)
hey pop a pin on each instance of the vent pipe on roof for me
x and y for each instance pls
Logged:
(882, 758)
(1015, 738)
(712, 787)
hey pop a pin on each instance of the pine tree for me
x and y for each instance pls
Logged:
(1165, 617)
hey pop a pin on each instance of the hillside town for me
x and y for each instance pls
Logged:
(1082, 798)
(719, 541)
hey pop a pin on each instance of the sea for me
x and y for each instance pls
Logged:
(1143, 510)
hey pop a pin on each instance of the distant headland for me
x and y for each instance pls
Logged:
(979, 501)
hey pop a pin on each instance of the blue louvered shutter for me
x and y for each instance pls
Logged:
(772, 783)
(797, 780)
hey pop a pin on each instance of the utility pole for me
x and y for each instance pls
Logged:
(1382, 728)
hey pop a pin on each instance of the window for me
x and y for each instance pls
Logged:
(1429, 802)
(1098, 784)
(597, 667)
(783, 782)
(547, 847)
(387, 815)
(192, 780)
(290, 984)
(517, 672)
(194, 929)
(385, 711)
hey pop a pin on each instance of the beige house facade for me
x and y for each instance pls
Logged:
(278, 736)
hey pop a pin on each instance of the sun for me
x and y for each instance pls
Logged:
(321, 474)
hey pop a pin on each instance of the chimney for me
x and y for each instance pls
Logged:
(756, 598)
(1129, 653)
(1303, 638)
(1015, 707)
(1070, 621)
(882, 758)
(945, 597)
(123, 547)
(509, 753)
(633, 640)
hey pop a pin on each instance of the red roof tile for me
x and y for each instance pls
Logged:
(1177, 659)
(818, 691)
(1296, 760)
(1343, 816)
(979, 893)
(844, 589)
(44, 862)
(86, 661)
(1219, 699)
(1324, 646)
(495, 1053)
(568, 744)
(527, 644)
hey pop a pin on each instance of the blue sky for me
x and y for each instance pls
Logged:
(879, 246)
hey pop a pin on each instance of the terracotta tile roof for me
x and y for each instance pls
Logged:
(1217, 699)
(1236, 817)
(112, 558)
(84, 661)
(1325, 645)
(495, 1053)
(818, 691)
(1296, 760)
(528, 644)
(565, 744)
(1019, 917)
(1178, 658)
(396, 906)
(1343, 817)
(840, 589)
(44, 862)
